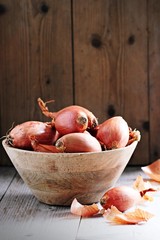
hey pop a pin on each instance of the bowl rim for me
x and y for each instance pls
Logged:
(6, 146)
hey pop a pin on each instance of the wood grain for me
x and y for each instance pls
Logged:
(23, 217)
(154, 76)
(35, 59)
(135, 91)
(110, 46)
(103, 55)
(6, 177)
(58, 178)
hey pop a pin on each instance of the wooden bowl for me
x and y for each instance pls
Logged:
(58, 178)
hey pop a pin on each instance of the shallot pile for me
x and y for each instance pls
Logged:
(71, 129)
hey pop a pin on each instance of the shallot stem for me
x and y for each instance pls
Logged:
(45, 109)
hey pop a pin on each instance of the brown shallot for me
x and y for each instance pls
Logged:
(113, 133)
(78, 142)
(122, 197)
(70, 119)
(19, 136)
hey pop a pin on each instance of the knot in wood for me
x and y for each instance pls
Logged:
(96, 41)
(44, 8)
(145, 125)
(131, 40)
(111, 110)
(2, 9)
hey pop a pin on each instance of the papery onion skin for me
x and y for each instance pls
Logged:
(135, 217)
(134, 135)
(122, 197)
(153, 170)
(83, 210)
(19, 136)
(78, 142)
(38, 147)
(113, 133)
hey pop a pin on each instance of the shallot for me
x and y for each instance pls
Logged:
(78, 142)
(113, 133)
(70, 119)
(122, 197)
(19, 136)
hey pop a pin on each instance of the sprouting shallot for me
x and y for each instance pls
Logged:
(122, 197)
(78, 142)
(19, 136)
(70, 119)
(113, 133)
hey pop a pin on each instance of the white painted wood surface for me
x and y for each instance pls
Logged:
(23, 217)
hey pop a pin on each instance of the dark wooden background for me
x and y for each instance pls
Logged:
(101, 54)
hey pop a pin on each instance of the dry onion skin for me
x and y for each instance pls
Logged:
(112, 215)
(137, 216)
(153, 170)
(134, 135)
(141, 185)
(83, 210)
(38, 147)
(145, 188)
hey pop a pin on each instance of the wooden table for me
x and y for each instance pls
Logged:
(23, 217)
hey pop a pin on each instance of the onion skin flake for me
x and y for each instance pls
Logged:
(137, 216)
(84, 210)
(153, 170)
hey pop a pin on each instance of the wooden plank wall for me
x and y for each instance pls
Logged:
(35, 59)
(101, 54)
